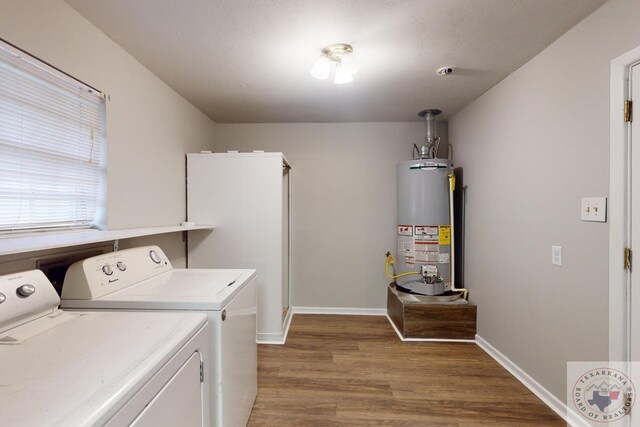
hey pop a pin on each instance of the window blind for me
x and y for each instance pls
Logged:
(51, 146)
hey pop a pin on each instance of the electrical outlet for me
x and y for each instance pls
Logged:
(556, 255)
(594, 209)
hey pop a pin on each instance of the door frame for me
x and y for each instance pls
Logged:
(619, 206)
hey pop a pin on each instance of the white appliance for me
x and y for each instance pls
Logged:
(109, 369)
(144, 279)
(247, 197)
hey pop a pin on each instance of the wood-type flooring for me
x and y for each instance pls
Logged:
(354, 371)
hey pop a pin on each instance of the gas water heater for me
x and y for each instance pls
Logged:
(424, 254)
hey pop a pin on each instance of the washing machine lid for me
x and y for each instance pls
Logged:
(177, 289)
(82, 370)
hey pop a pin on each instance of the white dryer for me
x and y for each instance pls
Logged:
(97, 369)
(144, 279)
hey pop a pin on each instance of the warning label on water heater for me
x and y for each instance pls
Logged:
(426, 251)
(445, 235)
(405, 230)
(424, 244)
(405, 245)
(426, 230)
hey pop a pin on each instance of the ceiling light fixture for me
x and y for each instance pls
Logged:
(445, 71)
(339, 56)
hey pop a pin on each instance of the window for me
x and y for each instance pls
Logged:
(52, 147)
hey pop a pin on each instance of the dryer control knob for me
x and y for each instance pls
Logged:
(26, 290)
(121, 266)
(3, 298)
(154, 256)
(106, 269)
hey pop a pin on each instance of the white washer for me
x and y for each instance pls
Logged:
(87, 369)
(144, 279)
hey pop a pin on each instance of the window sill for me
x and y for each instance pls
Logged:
(15, 244)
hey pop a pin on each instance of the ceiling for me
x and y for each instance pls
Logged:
(248, 61)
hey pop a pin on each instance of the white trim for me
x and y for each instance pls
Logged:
(570, 416)
(270, 338)
(276, 338)
(290, 225)
(287, 323)
(341, 310)
(393, 325)
(618, 205)
(281, 338)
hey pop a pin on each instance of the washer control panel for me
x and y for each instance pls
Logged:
(25, 296)
(153, 254)
(25, 290)
(106, 269)
(101, 275)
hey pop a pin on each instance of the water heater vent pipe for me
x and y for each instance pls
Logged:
(431, 142)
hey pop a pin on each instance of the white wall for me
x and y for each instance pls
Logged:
(149, 126)
(344, 202)
(531, 147)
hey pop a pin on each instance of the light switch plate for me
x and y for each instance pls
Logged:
(556, 255)
(594, 209)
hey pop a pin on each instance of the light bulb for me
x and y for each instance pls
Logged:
(350, 63)
(342, 75)
(321, 68)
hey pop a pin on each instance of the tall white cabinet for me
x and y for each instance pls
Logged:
(247, 196)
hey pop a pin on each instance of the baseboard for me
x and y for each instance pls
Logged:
(341, 310)
(395, 328)
(281, 338)
(287, 323)
(570, 416)
(276, 338)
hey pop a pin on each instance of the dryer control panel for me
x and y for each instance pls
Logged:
(103, 274)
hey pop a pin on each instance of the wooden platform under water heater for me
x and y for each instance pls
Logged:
(417, 319)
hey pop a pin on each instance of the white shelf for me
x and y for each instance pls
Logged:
(15, 244)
